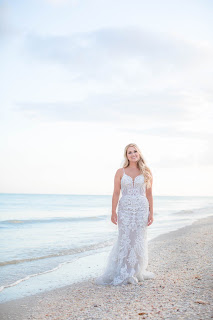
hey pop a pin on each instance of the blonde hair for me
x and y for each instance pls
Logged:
(141, 164)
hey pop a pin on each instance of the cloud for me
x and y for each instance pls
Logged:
(109, 108)
(5, 28)
(124, 72)
(111, 43)
(107, 51)
(151, 80)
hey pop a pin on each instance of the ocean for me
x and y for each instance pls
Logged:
(42, 236)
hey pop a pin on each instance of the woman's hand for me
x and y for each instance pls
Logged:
(114, 218)
(150, 219)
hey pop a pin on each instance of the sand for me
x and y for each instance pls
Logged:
(183, 288)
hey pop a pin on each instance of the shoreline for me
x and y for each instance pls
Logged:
(181, 260)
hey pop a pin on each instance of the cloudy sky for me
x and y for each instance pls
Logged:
(82, 79)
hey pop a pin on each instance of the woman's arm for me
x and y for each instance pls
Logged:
(116, 194)
(150, 199)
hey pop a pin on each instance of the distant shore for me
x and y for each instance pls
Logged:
(182, 289)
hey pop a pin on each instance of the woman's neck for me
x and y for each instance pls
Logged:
(133, 166)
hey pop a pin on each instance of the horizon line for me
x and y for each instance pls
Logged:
(82, 194)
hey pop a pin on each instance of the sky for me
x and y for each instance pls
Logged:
(82, 79)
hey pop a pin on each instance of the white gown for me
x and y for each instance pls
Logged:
(128, 259)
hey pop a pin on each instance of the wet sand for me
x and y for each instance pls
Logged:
(183, 287)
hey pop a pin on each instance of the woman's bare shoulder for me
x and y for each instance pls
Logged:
(119, 172)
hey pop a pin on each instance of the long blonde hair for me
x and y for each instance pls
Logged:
(141, 164)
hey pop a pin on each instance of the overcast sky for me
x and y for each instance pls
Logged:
(82, 79)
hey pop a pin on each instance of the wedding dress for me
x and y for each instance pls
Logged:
(128, 258)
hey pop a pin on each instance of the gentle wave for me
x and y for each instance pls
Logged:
(197, 210)
(62, 253)
(185, 212)
(52, 220)
(35, 274)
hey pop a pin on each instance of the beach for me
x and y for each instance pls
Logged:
(182, 289)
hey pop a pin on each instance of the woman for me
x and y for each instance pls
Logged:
(128, 259)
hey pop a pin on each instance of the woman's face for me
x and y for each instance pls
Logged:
(132, 154)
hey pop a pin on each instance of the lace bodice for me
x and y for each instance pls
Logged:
(133, 202)
(130, 187)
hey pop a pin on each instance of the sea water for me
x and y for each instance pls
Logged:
(42, 236)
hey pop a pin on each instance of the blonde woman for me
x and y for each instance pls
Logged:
(128, 259)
